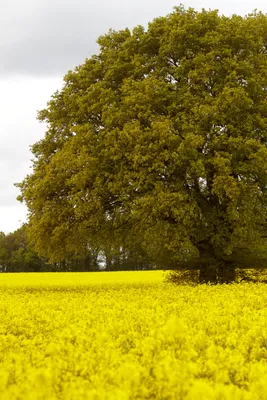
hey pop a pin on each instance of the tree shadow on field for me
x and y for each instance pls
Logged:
(192, 276)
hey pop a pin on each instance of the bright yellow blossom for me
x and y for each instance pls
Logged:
(130, 335)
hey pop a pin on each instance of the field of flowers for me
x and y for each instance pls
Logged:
(130, 335)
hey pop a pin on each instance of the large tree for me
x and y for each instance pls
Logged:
(160, 141)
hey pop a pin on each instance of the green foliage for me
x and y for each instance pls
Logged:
(160, 142)
(17, 255)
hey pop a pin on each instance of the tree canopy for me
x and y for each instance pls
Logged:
(159, 143)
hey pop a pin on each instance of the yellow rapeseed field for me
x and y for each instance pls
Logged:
(130, 335)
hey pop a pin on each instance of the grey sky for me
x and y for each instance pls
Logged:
(49, 37)
(40, 40)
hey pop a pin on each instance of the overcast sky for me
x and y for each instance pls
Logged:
(40, 40)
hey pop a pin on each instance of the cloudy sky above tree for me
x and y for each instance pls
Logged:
(39, 42)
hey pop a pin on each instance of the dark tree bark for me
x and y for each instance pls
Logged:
(208, 272)
(226, 272)
(213, 267)
(217, 271)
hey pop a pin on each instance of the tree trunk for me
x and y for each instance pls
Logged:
(216, 271)
(87, 263)
(108, 261)
(213, 268)
(208, 264)
(208, 272)
(226, 272)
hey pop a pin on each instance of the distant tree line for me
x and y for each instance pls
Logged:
(17, 254)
